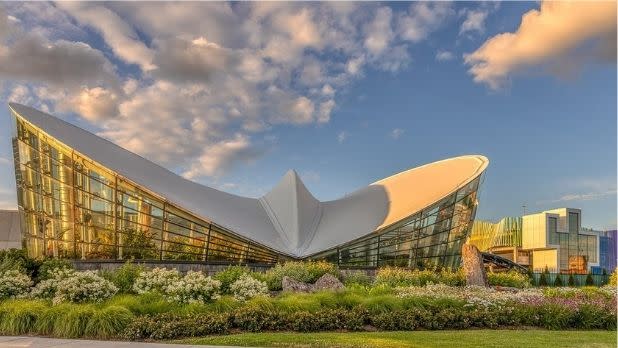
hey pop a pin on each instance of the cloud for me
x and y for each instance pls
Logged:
(474, 22)
(119, 35)
(4, 161)
(560, 36)
(220, 156)
(62, 63)
(589, 196)
(443, 56)
(195, 60)
(208, 81)
(342, 136)
(396, 133)
(422, 18)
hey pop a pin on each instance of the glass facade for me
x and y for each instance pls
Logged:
(72, 207)
(430, 238)
(575, 248)
(506, 233)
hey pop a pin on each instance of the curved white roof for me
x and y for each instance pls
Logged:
(288, 218)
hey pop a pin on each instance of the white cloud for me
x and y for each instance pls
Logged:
(396, 133)
(4, 161)
(552, 36)
(474, 22)
(379, 31)
(422, 19)
(211, 78)
(119, 35)
(342, 136)
(32, 58)
(218, 157)
(443, 56)
(589, 196)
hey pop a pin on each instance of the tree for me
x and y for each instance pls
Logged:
(543, 277)
(589, 279)
(558, 281)
(571, 280)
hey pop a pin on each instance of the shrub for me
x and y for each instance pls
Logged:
(395, 277)
(170, 326)
(145, 304)
(155, 280)
(589, 280)
(84, 287)
(553, 316)
(406, 320)
(108, 322)
(49, 266)
(14, 284)
(511, 279)
(72, 322)
(257, 316)
(124, 277)
(543, 281)
(613, 278)
(18, 260)
(558, 281)
(571, 280)
(18, 317)
(228, 276)
(357, 278)
(247, 287)
(46, 323)
(326, 320)
(193, 287)
(46, 289)
(303, 271)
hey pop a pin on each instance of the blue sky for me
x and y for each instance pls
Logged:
(233, 95)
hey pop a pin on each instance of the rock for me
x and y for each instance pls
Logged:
(290, 284)
(327, 282)
(473, 266)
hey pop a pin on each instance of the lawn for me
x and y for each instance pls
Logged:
(417, 339)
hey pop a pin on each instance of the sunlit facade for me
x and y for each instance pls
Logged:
(430, 238)
(81, 197)
(552, 239)
(74, 208)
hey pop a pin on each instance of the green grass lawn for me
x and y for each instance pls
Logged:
(462, 339)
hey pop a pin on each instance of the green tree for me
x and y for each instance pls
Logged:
(589, 279)
(571, 280)
(544, 277)
(558, 281)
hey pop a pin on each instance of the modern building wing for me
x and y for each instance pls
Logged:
(84, 197)
(552, 239)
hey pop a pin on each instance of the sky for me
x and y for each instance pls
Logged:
(232, 95)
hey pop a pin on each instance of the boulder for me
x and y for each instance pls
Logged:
(293, 285)
(327, 282)
(472, 261)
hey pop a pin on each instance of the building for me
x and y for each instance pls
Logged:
(552, 239)
(608, 241)
(82, 197)
(10, 232)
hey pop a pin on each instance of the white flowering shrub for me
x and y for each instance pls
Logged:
(86, 286)
(46, 289)
(193, 287)
(14, 284)
(155, 280)
(247, 287)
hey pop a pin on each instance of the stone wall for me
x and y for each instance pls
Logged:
(10, 232)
